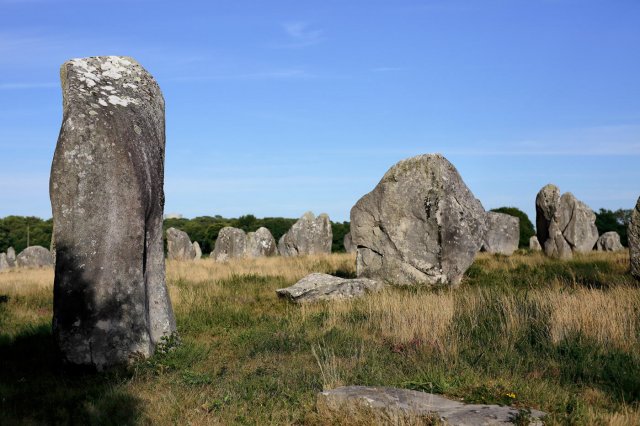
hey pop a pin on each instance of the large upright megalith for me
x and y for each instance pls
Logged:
(502, 234)
(309, 235)
(261, 243)
(564, 224)
(634, 240)
(110, 298)
(179, 246)
(419, 225)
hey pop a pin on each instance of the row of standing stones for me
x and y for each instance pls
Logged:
(33, 256)
(420, 225)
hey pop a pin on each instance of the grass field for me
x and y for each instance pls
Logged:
(563, 337)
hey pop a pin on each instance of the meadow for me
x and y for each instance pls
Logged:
(562, 337)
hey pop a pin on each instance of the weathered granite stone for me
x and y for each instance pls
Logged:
(197, 250)
(564, 224)
(534, 244)
(502, 235)
(4, 263)
(309, 235)
(110, 298)
(179, 245)
(609, 241)
(11, 256)
(420, 225)
(230, 244)
(261, 243)
(34, 257)
(317, 287)
(349, 247)
(393, 406)
(634, 240)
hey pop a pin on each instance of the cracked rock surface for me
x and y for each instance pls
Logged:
(317, 287)
(502, 235)
(309, 235)
(179, 246)
(420, 225)
(107, 195)
(634, 240)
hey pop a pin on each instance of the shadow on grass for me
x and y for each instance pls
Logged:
(34, 389)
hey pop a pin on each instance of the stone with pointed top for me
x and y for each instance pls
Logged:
(534, 244)
(230, 244)
(419, 225)
(179, 245)
(197, 250)
(261, 243)
(309, 235)
(111, 303)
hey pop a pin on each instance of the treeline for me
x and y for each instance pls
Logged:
(20, 231)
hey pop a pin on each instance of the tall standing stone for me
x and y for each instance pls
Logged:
(534, 244)
(634, 240)
(11, 256)
(261, 243)
(349, 247)
(309, 235)
(565, 225)
(179, 245)
(197, 250)
(419, 225)
(110, 297)
(230, 244)
(502, 235)
(4, 263)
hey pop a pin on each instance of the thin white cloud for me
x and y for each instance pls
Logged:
(299, 34)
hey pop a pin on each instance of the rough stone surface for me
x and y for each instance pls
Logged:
(349, 247)
(609, 241)
(382, 405)
(11, 256)
(261, 243)
(197, 250)
(317, 287)
(309, 235)
(34, 256)
(534, 244)
(4, 263)
(230, 244)
(564, 224)
(502, 234)
(420, 225)
(179, 245)
(107, 196)
(634, 240)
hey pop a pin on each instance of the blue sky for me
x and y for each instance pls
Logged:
(275, 108)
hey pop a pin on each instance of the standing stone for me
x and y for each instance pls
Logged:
(609, 241)
(110, 298)
(261, 243)
(534, 244)
(11, 256)
(197, 250)
(349, 247)
(564, 224)
(634, 240)
(502, 235)
(309, 235)
(4, 263)
(179, 245)
(230, 244)
(34, 257)
(420, 225)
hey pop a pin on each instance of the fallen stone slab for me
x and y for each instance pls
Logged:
(316, 287)
(385, 405)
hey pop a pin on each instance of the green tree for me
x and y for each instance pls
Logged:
(618, 221)
(339, 230)
(526, 227)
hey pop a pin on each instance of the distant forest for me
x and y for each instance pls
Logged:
(18, 231)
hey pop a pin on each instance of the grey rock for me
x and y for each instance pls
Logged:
(309, 235)
(230, 244)
(502, 235)
(4, 263)
(261, 243)
(111, 302)
(420, 225)
(383, 405)
(11, 256)
(349, 247)
(317, 287)
(534, 244)
(564, 224)
(634, 240)
(179, 245)
(197, 250)
(609, 241)
(34, 257)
